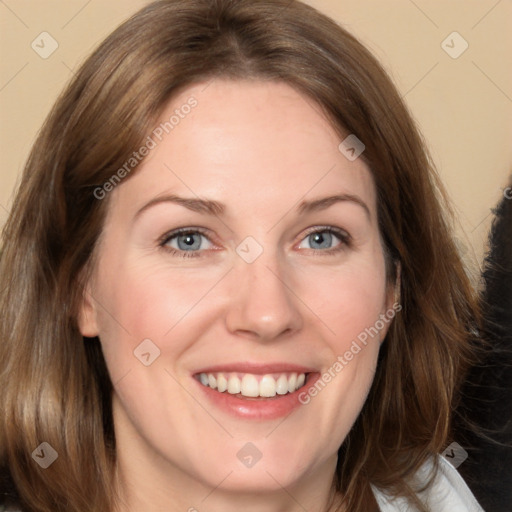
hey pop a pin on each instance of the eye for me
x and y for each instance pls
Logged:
(186, 242)
(326, 239)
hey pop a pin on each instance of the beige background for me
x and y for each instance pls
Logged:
(463, 105)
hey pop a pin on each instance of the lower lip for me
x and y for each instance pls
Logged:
(257, 408)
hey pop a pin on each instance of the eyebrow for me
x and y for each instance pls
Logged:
(211, 207)
(325, 202)
(196, 205)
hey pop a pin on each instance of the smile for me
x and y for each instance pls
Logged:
(253, 385)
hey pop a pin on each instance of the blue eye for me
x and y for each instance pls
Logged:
(186, 241)
(325, 239)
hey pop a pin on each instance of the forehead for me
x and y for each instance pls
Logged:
(248, 144)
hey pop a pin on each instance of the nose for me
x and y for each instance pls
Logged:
(264, 305)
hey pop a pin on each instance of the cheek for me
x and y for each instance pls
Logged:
(351, 306)
(349, 300)
(351, 310)
(138, 302)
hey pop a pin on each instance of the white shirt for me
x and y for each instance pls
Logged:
(448, 493)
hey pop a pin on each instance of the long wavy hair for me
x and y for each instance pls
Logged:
(55, 385)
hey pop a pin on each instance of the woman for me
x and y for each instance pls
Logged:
(228, 281)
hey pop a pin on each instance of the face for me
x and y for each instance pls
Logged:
(239, 293)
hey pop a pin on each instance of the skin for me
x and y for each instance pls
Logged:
(260, 149)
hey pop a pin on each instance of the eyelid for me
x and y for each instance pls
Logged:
(327, 227)
(183, 231)
(343, 235)
(170, 235)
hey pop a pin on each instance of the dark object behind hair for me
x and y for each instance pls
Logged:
(487, 402)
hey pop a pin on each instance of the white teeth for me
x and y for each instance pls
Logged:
(267, 386)
(282, 385)
(292, 382)
(222, 382)
(250, 385)
(254, 385)
(234, 385)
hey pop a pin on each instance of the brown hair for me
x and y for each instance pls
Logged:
(55, 387)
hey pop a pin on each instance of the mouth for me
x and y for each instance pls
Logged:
(250, 385)
(255, 391)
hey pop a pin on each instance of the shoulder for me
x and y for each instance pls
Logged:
(448, 492)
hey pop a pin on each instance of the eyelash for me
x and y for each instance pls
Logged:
(164, 240)
(343, 236)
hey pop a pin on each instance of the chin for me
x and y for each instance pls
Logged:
(253, 470)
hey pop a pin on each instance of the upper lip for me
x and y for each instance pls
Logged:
(256, 368)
